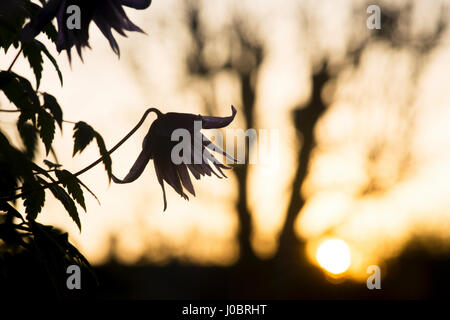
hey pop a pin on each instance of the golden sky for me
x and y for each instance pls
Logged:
(368, 105)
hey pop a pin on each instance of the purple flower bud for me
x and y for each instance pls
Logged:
(158, 145)
(106, 14)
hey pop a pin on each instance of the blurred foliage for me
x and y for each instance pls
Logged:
(38, 115)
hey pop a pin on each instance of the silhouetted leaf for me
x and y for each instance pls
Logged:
(51, 104)
(71, 183)
(11, 24)
(20, 92)
(34, 197)
(89, 190)
(46, 125)
(5, 206)
(9, 232)
(83, 135)
(14, 165)
(51, 32)
(52, 60)
(106, 158)
(67, 202)
(28, 133)
(49, 253)
(60, 241)
(32, 52)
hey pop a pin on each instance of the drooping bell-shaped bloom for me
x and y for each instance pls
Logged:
(158, 145)
(107, 15)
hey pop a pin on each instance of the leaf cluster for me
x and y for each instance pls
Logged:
(21, 177)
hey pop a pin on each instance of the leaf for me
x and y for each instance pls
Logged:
(83, 135)
(5, 206)
(89, 190)
(32, 52)
(51, 104)
(46, 125)
(72, 185)
(34, 197)
(20, 92)
(11, 24)
(51, 32)
(14, 166)
(60, 241)
(67, 202)
(28, 133)
(106, 158)
(50, 255)
(52, 59)
(28, 88)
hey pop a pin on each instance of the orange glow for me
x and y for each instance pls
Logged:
(366, 104)
(334, 256)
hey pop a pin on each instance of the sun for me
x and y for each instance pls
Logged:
(334, 256)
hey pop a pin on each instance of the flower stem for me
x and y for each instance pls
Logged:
(93, 164)
(15, 58)
(121, 141)
(3, 110)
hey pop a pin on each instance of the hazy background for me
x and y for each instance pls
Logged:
(364, 143)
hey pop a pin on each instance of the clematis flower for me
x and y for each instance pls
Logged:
(107, 15)
(158, 145)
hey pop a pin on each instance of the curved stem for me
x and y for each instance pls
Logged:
(93, 164)
(15, 58)
(14, 110)
(68, 121)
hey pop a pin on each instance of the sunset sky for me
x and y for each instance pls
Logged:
(394, 99)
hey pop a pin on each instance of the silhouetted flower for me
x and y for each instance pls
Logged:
(158, 145)
(106, 14)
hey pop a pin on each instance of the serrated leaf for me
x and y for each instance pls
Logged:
(46, 125)
(11, 23)
(72, 185)
(51, 32)
(34, 198)
(20, 92)
(82, 135)
(11, 210)
(14, 166)
(32, 52)
(28, 88)
(28, 134)
(67, 202)
(52, 60)
(89, 190)
(52, 105)
(106, 158)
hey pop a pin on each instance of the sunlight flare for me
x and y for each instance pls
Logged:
(334, 256)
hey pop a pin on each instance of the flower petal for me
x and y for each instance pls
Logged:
(136, 170)
(170, 175)
(105, 28)
(161, 182)
(45, 15)
(194, 171)
(209, 122)
(137, 4)
(211, 158)
(210, 145)
(185, 179)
